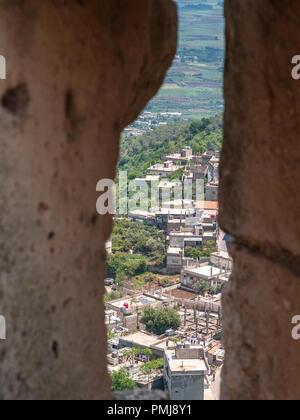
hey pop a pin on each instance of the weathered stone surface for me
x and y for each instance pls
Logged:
(78, 72)
(262, 359)
(260, 180)
(259, 199)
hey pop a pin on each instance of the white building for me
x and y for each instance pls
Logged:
(213, 275)
(212, 191)
(184, 374)
(164, 169)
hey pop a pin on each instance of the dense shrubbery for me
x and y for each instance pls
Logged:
(121, 265)
(196, 253)
(121, 381)
(114, 295)
(135, 245)
(140, 282)
(202, 288)
(151, 366)
(158, 321)
(138, 153)
(145, 240)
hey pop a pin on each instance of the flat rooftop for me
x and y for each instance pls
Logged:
(209, 235)
(162, 168)
(185, 365)
(152, 177)
(206, 271)
(141, 339)
(176, 221)
(180, 204)
(207, 205)
(185, 234)
(170, 184)
(140, 301)
(178, 156)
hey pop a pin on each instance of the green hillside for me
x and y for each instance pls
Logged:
(138, 153)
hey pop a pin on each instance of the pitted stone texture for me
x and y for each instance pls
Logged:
(262, 359)
(259, 199)
(78, 73)
(260, 183)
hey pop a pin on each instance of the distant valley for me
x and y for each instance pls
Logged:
(193, 85)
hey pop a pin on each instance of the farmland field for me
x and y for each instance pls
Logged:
(194, 83)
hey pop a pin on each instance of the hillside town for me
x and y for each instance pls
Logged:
(185, 361)
(148, 121)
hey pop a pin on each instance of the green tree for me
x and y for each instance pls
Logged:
(217, 289)
(158, 321)
(196, 253)
(121, 381)
(138, 153)
(201, 287)
(134, 351)
(121, 265)
(110, 334)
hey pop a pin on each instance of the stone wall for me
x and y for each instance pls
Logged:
(78, 73)
(260, 201)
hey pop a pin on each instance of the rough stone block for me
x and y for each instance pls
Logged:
(262, 359)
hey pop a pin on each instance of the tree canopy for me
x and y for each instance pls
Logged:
(201, 287)
(121, 381)
(138, 153)
(158, 321)
(137, 237)
(196, 253)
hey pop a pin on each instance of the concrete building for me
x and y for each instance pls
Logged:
(144, 340)
(164, 169)
(213, 169)
(128, 309)
(182, 158)
(200, 171)
(163, 216)
(178, 241)
(166, 193)
(174, 260)
(175, 225)
(213, 275)
(222, 259)
(141, 216)
(212, 191)
(184, 373)
(186, 238)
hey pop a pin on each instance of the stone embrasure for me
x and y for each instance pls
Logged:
(78, 73)
(259, 199)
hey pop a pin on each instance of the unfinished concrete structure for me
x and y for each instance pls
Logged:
(78, 72)
(184, 374)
